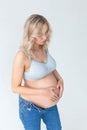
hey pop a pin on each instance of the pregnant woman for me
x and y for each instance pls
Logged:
(35, 78)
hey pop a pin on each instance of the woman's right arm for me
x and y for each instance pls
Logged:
(17, 76)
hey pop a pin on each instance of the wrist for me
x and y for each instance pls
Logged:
(59, 79)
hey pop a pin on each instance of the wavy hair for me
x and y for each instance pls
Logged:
(33, 28)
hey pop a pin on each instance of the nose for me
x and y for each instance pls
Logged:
(44, 37)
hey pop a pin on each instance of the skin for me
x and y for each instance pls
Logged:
(44, 92)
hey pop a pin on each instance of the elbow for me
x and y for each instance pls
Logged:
(14, 89)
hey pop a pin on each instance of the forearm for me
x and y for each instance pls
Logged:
(57, 75)
(26, 90)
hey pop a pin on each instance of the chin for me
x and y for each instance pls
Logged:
(42, 42)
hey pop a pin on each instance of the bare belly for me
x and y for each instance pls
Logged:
(41, 100)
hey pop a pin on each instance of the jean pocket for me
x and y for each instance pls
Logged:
(24, 106)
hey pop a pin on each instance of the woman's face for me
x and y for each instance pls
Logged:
(41, 39)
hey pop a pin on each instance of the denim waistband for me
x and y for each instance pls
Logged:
(34, 105)
(30, 103)
(24, 100)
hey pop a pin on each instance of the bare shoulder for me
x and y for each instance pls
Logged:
(19, 58)
(21, 61)
(18, 68)
(20, 55)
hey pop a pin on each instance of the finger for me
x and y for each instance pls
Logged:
(58, 85)
(60, 91)
(54, 90)
(54, 98)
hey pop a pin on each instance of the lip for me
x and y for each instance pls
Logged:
(43, 41)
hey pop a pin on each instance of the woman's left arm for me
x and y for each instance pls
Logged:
(60, 84)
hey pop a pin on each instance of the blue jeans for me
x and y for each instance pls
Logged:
(31, 115)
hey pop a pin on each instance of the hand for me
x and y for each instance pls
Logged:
(51, 93)
(60, 86)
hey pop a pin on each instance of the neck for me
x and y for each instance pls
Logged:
(37, 47)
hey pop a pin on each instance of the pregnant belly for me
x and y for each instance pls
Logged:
(41, 100)
(45, 82)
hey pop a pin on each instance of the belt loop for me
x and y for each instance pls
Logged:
(29, 107)
(39, 110)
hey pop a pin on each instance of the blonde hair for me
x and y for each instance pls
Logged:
(34, 22)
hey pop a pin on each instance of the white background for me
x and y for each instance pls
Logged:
(68, 19)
